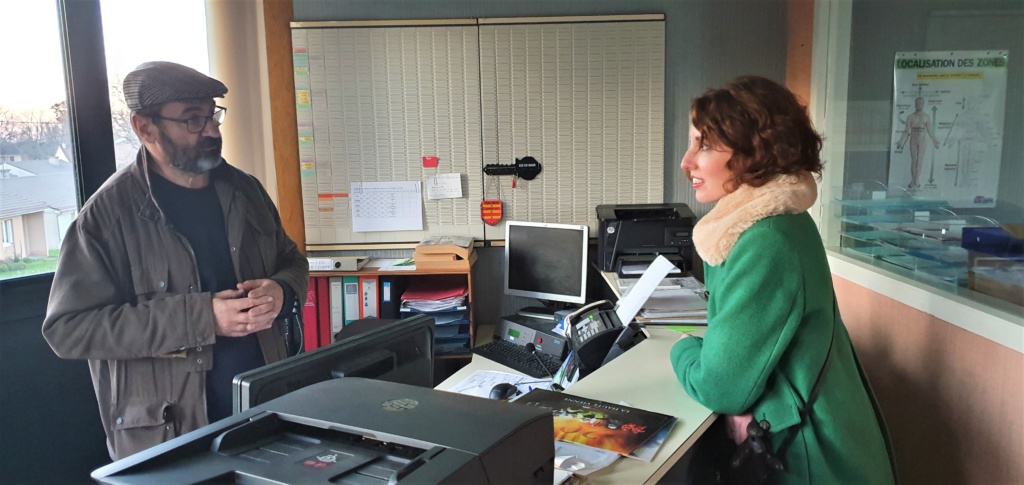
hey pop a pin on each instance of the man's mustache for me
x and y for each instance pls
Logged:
(208, 144)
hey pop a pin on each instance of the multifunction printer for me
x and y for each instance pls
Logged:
(632, 235)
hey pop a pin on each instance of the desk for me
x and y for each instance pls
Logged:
(643, 378)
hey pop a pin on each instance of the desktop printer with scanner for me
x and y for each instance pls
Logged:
(354, 430)
(635, 234)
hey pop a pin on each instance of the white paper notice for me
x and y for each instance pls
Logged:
(631, 304)
(479, 383)
(444, 186)
(387, 206)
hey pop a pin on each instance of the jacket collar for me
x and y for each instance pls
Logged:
(716, 233)
(221, 177)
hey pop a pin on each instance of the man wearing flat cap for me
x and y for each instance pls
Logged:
(176, 275)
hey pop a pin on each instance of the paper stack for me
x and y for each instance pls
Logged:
(445, 252)
(674, 300)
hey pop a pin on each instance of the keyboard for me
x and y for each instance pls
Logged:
(518, 358)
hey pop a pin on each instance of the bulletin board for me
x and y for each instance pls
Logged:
(583, 95)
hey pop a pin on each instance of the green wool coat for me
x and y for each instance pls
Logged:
(770, 317)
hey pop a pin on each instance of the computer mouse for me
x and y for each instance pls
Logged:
(503, 391)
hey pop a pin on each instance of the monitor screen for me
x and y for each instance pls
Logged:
(398, 351)
(546, 261)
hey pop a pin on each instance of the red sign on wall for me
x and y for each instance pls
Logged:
(491, 211)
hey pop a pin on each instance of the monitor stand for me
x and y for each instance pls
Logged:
(546, 312)
(537, 312)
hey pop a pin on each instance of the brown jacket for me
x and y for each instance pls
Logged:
(126, 296)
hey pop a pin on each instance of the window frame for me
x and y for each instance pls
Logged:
(829, 89)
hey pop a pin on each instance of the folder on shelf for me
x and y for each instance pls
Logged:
(337, 305)
(370, 303)
(350, 286)
(323, 312)
(310, 333)
(337, 263)
(391, 289)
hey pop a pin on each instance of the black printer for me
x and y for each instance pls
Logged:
(358, 431)
(635, 234)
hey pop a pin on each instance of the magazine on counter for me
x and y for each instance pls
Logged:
(598, 424)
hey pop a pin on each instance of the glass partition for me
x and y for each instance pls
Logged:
(931, 141)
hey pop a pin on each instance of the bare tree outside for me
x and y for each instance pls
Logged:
(34, 135)
(126, 144)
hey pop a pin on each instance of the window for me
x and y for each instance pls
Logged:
(179, 36)
(41, 181)
(925, 140)
(8, 232)
(37, 172)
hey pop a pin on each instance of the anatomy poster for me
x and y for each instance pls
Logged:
(947, 121)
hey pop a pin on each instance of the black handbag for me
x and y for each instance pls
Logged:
(754, 462)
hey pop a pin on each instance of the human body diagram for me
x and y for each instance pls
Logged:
(916, 126)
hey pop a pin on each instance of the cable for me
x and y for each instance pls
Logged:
(532, 349)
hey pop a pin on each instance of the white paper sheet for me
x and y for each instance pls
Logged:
(631, 303)
(582, 460)
(387, 206)
(444, 186)
(479, 383)
(560, 476)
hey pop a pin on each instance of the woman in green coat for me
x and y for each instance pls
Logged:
(772, 319)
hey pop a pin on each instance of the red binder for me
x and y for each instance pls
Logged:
(310, 337)
(323, 311)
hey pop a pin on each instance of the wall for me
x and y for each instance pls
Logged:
(52, 228)
(8, 250)
(707, 43)
(235, 58)
(21, 243)
(35, 235)
(48, 414)
(953, 401)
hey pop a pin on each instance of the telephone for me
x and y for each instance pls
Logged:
(596, 336)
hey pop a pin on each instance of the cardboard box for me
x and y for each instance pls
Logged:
(445, 252)
(998, 277)
(462, 259)
(462, 252)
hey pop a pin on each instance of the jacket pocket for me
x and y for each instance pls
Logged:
(150, 280)
(140, 425)
(780, 406)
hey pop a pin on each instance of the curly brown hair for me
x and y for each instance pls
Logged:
(767, 129)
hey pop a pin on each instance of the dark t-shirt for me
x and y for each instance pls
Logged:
(196, 214)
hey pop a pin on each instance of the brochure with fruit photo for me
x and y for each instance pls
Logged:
(598, 424)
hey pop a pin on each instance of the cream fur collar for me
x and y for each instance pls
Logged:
(717, 232)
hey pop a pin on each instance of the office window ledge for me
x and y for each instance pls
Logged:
(1002, 327)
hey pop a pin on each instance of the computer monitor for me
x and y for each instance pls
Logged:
(398, 351)
(546, 261)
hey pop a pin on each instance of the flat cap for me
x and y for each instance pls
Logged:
(158, 82)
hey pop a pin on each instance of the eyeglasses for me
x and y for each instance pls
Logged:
(197, 124)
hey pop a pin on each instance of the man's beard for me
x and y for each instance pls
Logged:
(197, 159)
